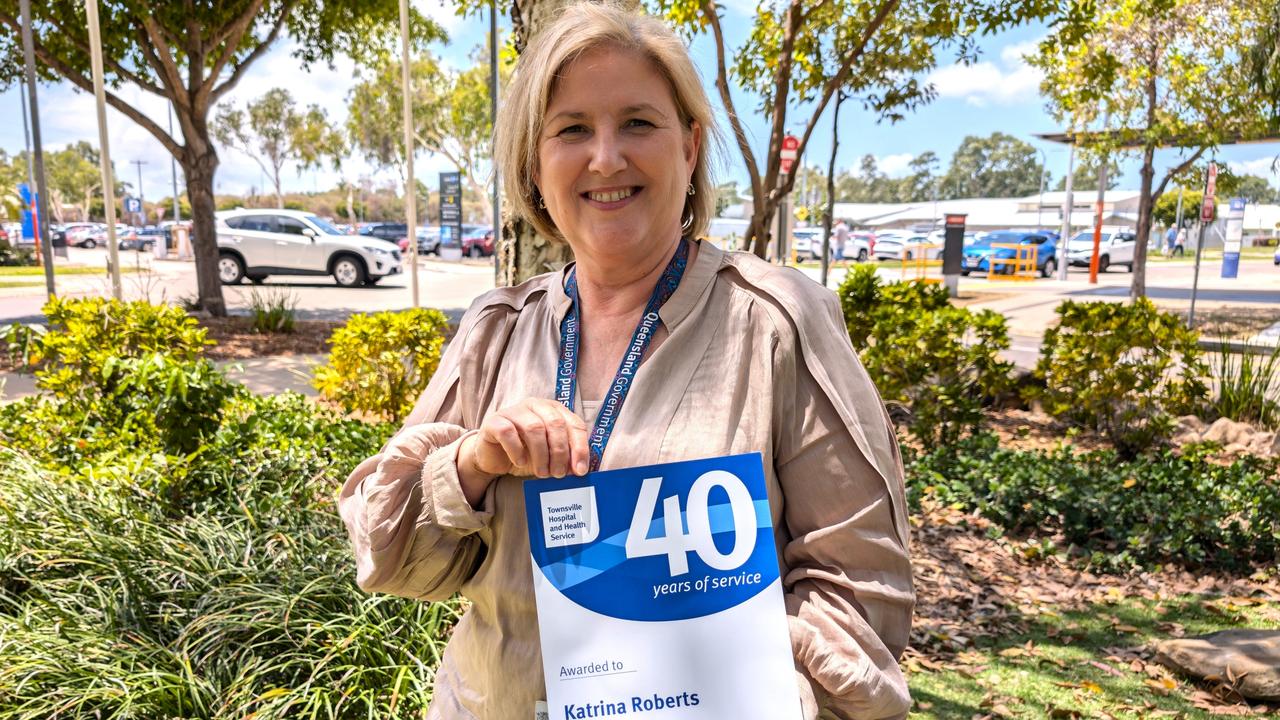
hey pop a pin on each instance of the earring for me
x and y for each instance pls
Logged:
(691, 190)
(542, 203)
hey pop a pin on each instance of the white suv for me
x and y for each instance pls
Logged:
(1115, 248)
(256, 243)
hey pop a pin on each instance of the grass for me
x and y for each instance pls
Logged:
(19, 283)
(57, 270)
(1248, 386)
(1060, 665)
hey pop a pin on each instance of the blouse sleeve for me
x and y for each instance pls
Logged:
(848, 585)
(412, 530)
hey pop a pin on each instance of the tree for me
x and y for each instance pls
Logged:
(1165, 210)
(1161, 74)
(726, 195)
(996, 166)
(272, 131)
(1252, 188)
(450, 115)
(799, 54)
(868, 185)
(1086, 173)
(1262, 62)
(73, 174)
(922, 182)
(192, 54)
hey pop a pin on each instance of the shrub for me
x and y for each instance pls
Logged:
(1248, 385)
(940, 360)
(20, 342)
(273, 311)
(17, 257)
(381, 363)
(1121, 370)
(1123, 514)
(84, 333)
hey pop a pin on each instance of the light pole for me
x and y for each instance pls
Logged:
(411, 184)
(42, 202)
(1044, 168)
(1068, 206)
(104, 148)
(173, 169)
(493, 114)
(142, 203)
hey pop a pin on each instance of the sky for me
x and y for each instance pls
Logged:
(1000, 92)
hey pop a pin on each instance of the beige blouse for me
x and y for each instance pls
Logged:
(756, 359)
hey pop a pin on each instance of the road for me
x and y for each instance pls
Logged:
(451, 287)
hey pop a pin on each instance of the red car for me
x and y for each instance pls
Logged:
(477, 240)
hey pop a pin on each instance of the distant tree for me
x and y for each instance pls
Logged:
(273, 131)
(727, 194)
(1086, 173)
(1252, 188)
(1262, 62)
(996, 166)
(1163, 74)
(191, 54)
(867, 185)
(922, 182)
(1165, 211)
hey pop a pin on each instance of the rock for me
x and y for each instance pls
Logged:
(1252, 656)
(1226, 431)
(1189, 424)
(1235, 448)
(1263, 444)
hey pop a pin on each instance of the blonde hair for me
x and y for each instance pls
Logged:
(579, 29)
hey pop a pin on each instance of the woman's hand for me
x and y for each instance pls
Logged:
(534, 437)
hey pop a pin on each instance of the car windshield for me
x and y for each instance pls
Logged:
(323, 225)
(1001, 237)
(1087, 237)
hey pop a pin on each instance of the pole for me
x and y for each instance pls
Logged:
(1097, 222)
(1177, 223)
(42, 203)
(411, 184)
(1044, 168)
(142, 203)
(173, 169)
(493, 114)
(26, 135)
(104, 155)
(1068, 204)
(831, 190)
(1195, 280)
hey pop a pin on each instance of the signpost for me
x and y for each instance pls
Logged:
(1234, 237)
(953, 251)
(451, 215)
(659, 594)
(790, 146)
(1206, 217)
(788, 155)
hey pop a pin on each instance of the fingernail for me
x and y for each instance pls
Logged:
(581, 468)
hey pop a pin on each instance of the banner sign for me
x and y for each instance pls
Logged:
(451, 208)
(1234, 236)
(658, 593)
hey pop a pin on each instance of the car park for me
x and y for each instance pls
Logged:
(978, 256)
(905, 246)
(254, 244)
(1115, 247)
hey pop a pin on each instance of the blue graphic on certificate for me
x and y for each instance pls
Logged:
(659, 595)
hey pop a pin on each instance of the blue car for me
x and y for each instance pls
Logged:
(977, 257)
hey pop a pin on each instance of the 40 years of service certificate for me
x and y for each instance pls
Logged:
(658, 593)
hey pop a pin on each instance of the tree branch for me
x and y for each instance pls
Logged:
(781, 90)
(127, 74)
(85, 84)
(1155, 194)
(722, 85)
(160, 54)
(237, 73)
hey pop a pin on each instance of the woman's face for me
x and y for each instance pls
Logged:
(614, 160)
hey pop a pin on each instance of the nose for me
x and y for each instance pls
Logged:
(607, 156)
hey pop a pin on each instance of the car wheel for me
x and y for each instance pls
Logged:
(862, 256)
(89, 244)
(348, 272)
(907, 256)
(964, 273)
(230, 269)
(1128, 268)
(475, 251)
(1049, 266)
(257, 279)
(1104, 262)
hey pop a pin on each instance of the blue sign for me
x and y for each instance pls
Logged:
(132, 205)
(30, 200)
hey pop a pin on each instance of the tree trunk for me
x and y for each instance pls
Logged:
(1139, 286)
(199, 170)
(522, 253)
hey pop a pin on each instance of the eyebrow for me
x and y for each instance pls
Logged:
(628, 110)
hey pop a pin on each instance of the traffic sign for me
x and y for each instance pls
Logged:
(790, 150)
(1211, 183)
(132, 205)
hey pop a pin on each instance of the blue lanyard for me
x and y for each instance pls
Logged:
(567, 367)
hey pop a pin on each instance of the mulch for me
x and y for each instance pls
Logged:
(236, 339)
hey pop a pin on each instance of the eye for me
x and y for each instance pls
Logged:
(639, 122)
(572, 130)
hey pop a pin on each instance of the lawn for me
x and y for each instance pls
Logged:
(58, 270)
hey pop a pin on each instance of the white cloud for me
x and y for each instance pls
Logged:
(1261, 167)
(895, 165)
(1008, 82)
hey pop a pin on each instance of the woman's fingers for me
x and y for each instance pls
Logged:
(540, 437)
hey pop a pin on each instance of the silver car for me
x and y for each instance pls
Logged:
(256, 243)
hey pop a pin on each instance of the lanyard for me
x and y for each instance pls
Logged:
(571, 327)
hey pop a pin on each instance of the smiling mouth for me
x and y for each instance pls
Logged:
(612, 196)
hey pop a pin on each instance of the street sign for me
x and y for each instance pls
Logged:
(132, 205)
(790, 150)
(450, 209)
(1232, 241)
(1211, 183)
(1207, 210)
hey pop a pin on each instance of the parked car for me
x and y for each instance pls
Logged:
(390, 232)
(897, 246)
(98, 235)
(257, 243)
(859, 246)
(807, 243)
(428, 240)
(1115, 248)
(77, 233)
(977, 257)
(477, 240)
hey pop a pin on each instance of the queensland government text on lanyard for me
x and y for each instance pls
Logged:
(570, 331)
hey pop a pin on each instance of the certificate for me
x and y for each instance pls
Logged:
(658, 593)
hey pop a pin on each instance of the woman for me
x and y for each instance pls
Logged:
(603, 143)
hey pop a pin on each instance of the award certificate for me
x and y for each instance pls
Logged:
(658, 593)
